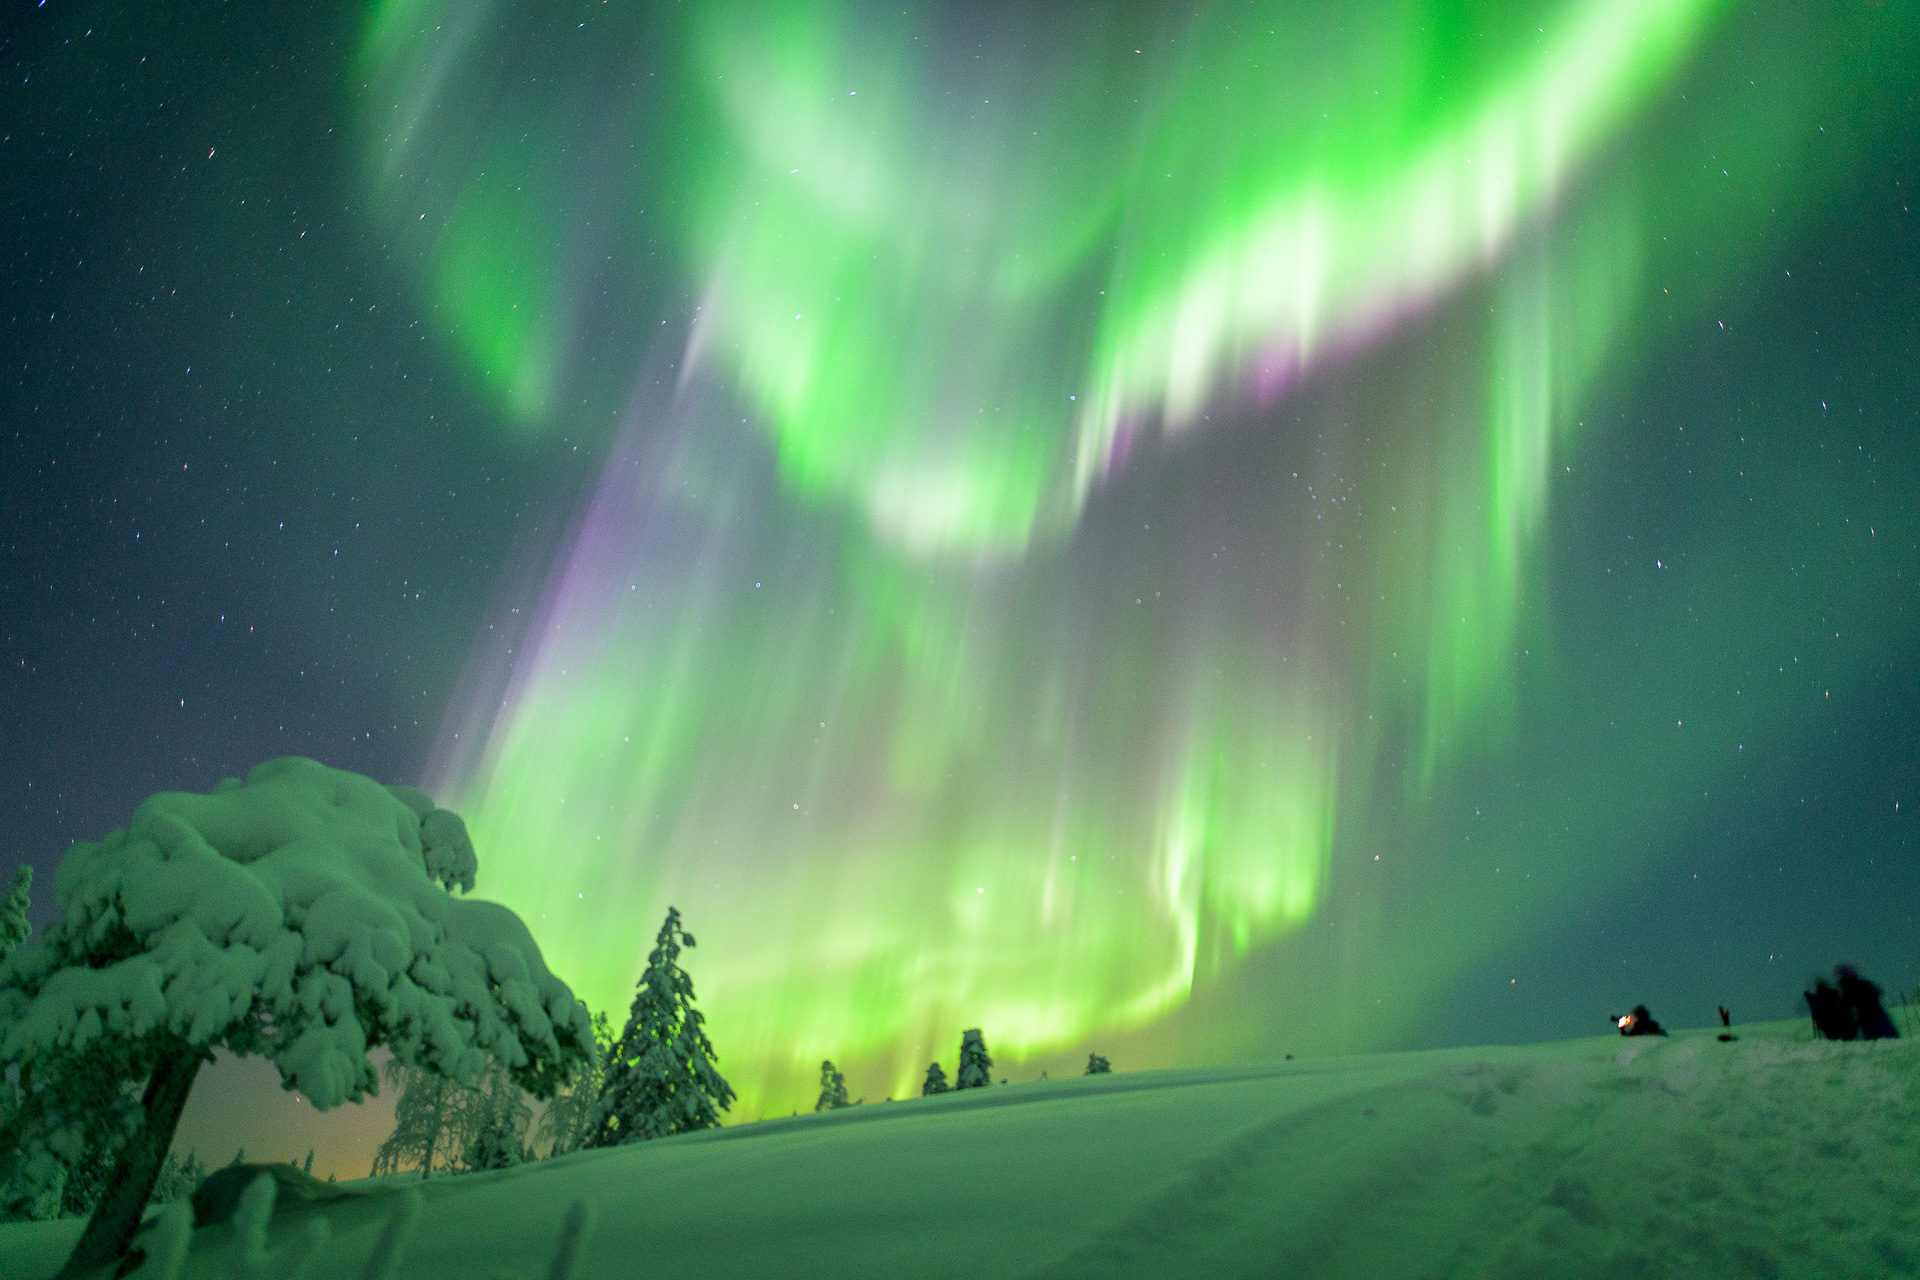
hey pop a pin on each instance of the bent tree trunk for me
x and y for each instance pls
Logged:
(117, 1216)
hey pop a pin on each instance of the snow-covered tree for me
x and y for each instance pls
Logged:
(72, 1184)
(179, 1178)
(495, 1124)
(294, 915)
(69, 1165)
(497, 1147)
(13, 931)
(568, 1120)
(453, 1125)
(425, 1109)
(13, 913)
(1098, 1066)
(660, 1077)
(833, 1088)
(936, 1081)
(89, 1170)
(499, 1130)
(446, 1124)
(976, 1068)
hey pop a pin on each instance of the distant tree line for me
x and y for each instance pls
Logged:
(976, 1067)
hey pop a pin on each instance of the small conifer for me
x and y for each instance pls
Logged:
(936, 1081)
(1098, 1066)
(496, 1146)
(660, 1079)
(833, 1088)
(976, 1068)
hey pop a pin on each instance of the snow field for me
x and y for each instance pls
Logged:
(1772, 1155)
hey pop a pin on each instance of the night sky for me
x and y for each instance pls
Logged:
(1187, 534)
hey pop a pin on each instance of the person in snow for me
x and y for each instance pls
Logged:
(1851, 1010)
(1638, 1023)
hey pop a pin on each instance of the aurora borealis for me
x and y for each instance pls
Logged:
(1190, 534)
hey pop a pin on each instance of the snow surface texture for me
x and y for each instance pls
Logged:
(292, 915)
(1773, 1155)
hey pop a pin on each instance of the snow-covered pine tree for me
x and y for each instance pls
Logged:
(833, 1088)
(498, 1146)
(660, 1078)
(442, 1124)
(13, 931)
(17, 1199)
(1098, 1066)
(288, 916)
(497, 1120)
(66, 1181)
(567, 1122)
(13, 913)
(423, 1112)
(976, 1068)
(936, 1081)
(92, 1166)
(60, 1131)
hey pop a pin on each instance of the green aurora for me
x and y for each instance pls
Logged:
(1087, 506)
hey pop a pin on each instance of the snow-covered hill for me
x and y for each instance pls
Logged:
(1772, 1155)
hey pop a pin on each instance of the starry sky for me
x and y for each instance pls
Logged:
(1186, 533)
